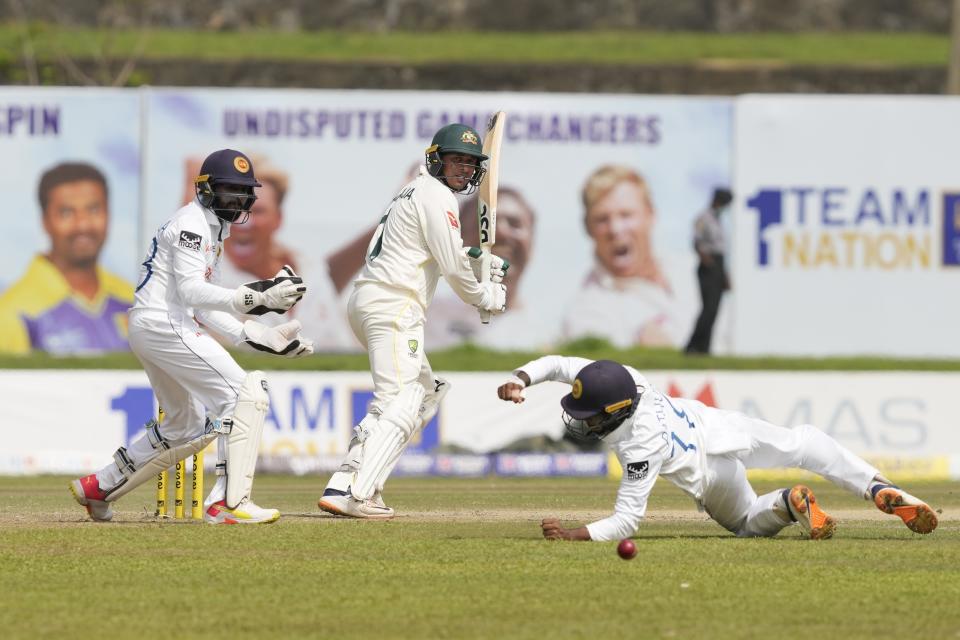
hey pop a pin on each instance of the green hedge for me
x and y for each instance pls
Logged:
(51, 42)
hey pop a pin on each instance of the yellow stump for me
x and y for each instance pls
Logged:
(178, 489)
(161, 494)
(196, 504)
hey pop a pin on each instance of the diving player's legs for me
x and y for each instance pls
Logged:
(807, 447)
(803, 447)
(731, 501)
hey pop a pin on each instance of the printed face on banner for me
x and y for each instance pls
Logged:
(69, 253)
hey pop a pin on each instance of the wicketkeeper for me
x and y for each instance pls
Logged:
(705, 452)
(203, 391)
(417, 242)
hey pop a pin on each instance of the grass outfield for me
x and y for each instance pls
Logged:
(470, 358)
(464, 559)
(586, 47)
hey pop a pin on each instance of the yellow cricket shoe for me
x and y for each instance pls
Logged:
(247, 512)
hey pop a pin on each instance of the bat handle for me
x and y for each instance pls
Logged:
(485, 277)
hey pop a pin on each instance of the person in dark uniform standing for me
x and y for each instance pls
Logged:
(712, 275)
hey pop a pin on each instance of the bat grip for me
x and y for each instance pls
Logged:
(485, 277)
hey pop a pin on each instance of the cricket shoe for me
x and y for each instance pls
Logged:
(342, 503)
(87, 492)
(803, 506)
(247, 512)
(915, 513)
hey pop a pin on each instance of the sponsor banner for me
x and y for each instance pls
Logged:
(902, 469)
(456, 465)
(550, 464)
(73, 421)
(847, 227)
(333, 160)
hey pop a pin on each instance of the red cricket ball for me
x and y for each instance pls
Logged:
(627, 549)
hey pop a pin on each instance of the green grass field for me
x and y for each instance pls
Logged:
(593, 47)
(464, 559)
(471, 358)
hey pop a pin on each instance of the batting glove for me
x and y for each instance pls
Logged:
(494, 297)
(498, 266)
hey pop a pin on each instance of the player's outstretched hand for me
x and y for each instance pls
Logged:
(278, 294)
(282, 340)
(512, 390)
(552, 530)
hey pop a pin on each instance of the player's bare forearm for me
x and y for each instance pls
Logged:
(553, 530)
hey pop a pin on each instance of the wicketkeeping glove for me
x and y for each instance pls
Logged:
(498, 266)
(278, 294)
(281, 340)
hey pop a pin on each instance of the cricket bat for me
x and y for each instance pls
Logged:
(487, 202)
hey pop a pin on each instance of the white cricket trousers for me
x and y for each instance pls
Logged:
(732, 502)
(389, 323)
(192, 376)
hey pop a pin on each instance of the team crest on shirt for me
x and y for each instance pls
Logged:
(189, 240)
(414, 345)
(453, 220)
(637, 470)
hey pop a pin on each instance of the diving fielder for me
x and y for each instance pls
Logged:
(417, 242)
(705, 452)
(204, 393)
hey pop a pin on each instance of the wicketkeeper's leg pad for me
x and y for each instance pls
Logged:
(243, 431)
(165, 454)
(393, 429)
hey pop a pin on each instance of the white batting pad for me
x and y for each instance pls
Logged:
(387, 438)
(429, 408)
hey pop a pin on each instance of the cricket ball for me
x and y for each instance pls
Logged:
(627, 549)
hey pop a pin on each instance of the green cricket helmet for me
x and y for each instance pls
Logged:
(461, 139)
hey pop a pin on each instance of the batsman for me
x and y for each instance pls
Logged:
(418, 241)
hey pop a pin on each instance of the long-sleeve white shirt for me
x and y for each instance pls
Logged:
(665, 436)
(182, 267)
(418, 241)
